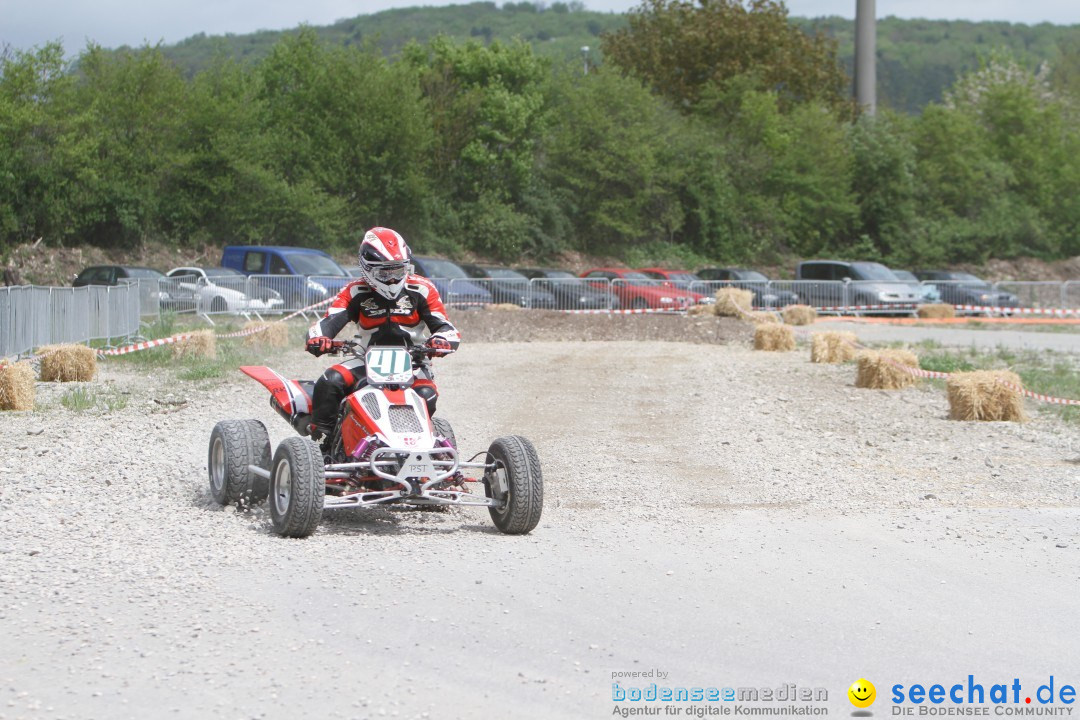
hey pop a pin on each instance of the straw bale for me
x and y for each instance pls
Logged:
(878, 370)
(733, 302)
(201, 344)
(698, 310)
(983, 395)
(67, 363)
(274, 334)
(833, 347)
(936, 311)
(16, 386)
(763, 316)
(774, 337)
(799, 315)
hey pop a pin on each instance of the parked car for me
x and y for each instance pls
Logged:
(296, 266)
(852, 283)
(961, 288)
(681, 279)
(570, 291)
(151, 293)
(459, 293)
(765, 295)
(217, 290)
(510, 286)
(638, 291)
(927, 293)
(114, 274)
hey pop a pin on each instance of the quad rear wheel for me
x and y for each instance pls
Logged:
(234, 445)
(515, 480)
(297, 488)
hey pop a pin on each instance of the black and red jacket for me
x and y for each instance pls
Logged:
(417, 314)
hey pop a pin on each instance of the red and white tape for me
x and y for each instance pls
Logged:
(144, 345)
(631, 311)
(127, 349)
(858, 308)
(1062, 312)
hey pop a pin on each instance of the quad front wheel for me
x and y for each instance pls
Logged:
(235, 445)
(515, 480)
(443, 427)
(297, 488)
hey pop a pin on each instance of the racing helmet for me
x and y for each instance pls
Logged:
(385, 261)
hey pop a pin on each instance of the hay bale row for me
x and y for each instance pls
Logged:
(502, 306)
(799, 315)
(939, 311)
(881, 370)
(733, 302)
(275, 334)
(200, 344)
(16, 386)
(774, 337)
(67, 363)
(983, 395)
(833, 347)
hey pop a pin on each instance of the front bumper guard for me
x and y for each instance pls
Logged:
(417, 474)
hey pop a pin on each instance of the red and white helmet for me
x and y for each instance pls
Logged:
(385, 260)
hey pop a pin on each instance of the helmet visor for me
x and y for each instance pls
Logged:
(388, 272)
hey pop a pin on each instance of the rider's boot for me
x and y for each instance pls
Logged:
(326, 397)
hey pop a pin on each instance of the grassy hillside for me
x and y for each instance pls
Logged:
(556, 33)
(917, 58)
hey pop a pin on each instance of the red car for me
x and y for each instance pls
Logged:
(638, 291)
(681, 279)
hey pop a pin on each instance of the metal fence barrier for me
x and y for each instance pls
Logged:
(1035, 294)
(640, 294)
(1070, 294)
(34, 316)
(31, 316)
(575, 294)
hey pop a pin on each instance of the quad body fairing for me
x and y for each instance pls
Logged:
(396, 417)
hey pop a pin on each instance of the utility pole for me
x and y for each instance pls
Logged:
(866, 56)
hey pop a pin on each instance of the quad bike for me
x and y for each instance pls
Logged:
(385, 449)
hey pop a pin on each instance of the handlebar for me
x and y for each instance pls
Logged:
(417, 352)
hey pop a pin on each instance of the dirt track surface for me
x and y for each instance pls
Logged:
(480, 326)
(729, 517)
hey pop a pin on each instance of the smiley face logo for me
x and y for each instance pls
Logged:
(862, 693)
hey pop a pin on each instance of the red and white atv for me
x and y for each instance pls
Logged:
(385, 449)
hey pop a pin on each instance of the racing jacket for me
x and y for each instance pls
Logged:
(417, 314)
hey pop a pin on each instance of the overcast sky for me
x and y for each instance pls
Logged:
(26, 23)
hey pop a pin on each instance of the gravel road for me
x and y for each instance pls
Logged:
(725, 516)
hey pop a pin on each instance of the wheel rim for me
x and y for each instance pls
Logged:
(500, 473)
(282, 487)
(217, 467)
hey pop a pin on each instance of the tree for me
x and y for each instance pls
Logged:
(680, 48)
(487, 107)
(607, 153)
(345, 125)
(129, 114)
(35, 144)
(884, 182)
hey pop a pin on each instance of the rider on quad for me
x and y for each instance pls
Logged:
(390, 306)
